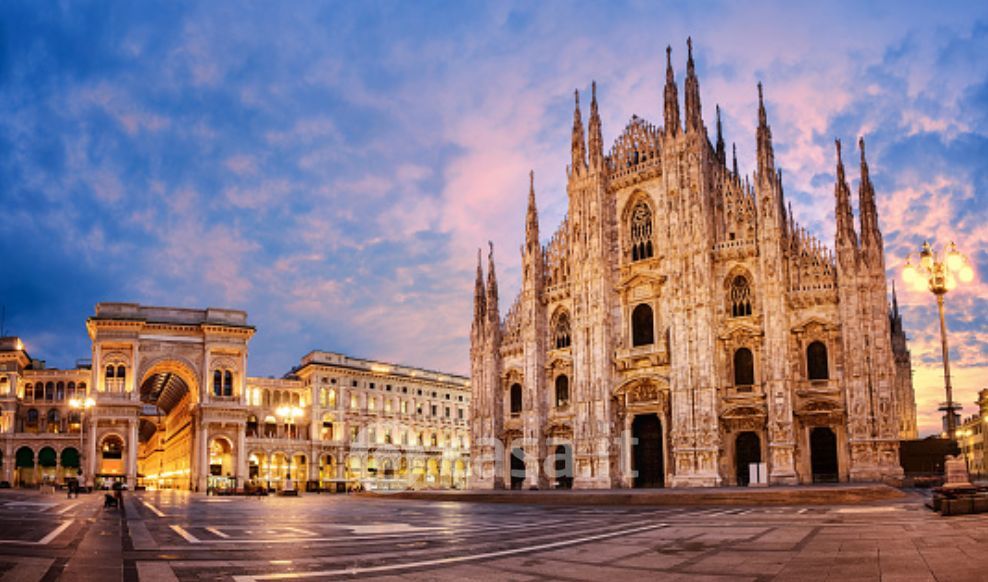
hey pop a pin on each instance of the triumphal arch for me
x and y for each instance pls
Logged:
(169, 386)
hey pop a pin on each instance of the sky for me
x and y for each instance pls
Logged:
(331, 168)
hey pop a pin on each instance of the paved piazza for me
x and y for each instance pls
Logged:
(171, 535)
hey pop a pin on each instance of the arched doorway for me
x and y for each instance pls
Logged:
(432, 472)
(327, 472)
(221, 464)
(277, 470)
(165, 434)
(254, 466)
(823, 455)
(418, 472)
(387, 474)
(563, 466)
(647, 456)
(70, 463)
(354, 469)
(300, 471)
(111, 458)
(48, 461)
(517, 468)
(459, 474)
(24, 466)
(747, 450)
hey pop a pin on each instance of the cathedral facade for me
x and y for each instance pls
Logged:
(681, 329)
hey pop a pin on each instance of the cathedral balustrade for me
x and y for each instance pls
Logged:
(735, 249)
(744, 392)
(734, 244)
(623, 177)
(811, 388)
(641, 356)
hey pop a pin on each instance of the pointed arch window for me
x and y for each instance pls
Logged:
(562, 331)
(642, 326)
(641, 232)
(816, 361)
(562, 391)
(515, 396)
(739, 296)
(744, 367)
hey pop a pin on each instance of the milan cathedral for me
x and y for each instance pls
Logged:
(681, 329)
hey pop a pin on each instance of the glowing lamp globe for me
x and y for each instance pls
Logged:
(955, 261)
(966, 274)
(909, 273)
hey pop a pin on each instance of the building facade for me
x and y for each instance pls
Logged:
(680, 325)
(166, 402)
(971, 438)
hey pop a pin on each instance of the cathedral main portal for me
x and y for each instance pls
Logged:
(648, 465)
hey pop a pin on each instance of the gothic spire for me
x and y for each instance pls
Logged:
(792, 219)
(766, 157)
(479, 299)
(671, 97)
(532, 217)
(579, 148)
(596, 139)
(492, 310)
(870, 234)
(734, 154)
(721, 153)
(895, 302)
(845, 219)
(694, 115)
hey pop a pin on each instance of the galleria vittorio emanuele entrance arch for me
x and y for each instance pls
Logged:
(169, 382)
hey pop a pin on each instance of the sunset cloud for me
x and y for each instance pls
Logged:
(333, 169)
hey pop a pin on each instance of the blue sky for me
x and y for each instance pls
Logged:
(332, 168)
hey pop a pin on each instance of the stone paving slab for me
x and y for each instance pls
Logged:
(727, 496)
(886, 541)
(27, 570)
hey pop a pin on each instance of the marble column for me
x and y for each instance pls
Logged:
(242, 454)
(91, 459)
(132, 453)
(201, 472)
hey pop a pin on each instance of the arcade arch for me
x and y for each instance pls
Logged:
(166, 427)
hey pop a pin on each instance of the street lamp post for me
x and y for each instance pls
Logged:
(939, 274)
(82, 404)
